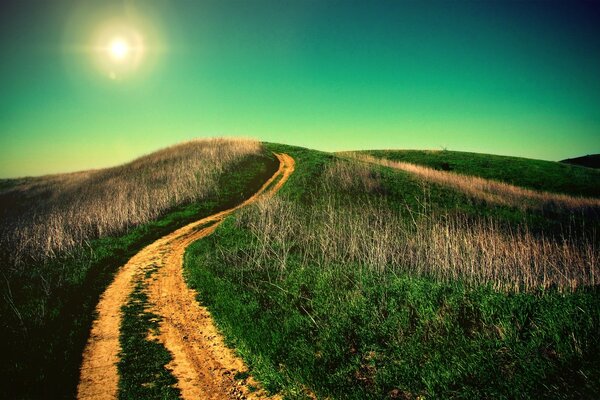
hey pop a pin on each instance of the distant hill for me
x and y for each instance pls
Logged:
(548, 176)
(590, 161)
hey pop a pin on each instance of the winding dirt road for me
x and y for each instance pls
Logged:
(203, 366)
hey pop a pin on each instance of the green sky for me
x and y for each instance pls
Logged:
(515, 78)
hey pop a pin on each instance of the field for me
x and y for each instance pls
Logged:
(363, 275)
(48, 216)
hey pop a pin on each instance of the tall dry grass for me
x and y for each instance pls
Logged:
(487, 189)
(45, 216)
(373, 236)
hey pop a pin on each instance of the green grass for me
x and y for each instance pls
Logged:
(350, 335)
(534, 174)
(401, 189)
(42, 349)
(142, 361)
(344, 332)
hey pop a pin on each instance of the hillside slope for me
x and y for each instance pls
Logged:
(488, 190)
(533, 174)
(102, 218)
(356, 281)
(45, 216)
(589, 161)
(363, 282)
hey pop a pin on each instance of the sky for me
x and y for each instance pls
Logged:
(513, 78)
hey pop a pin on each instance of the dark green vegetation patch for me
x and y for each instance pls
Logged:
(590, 161)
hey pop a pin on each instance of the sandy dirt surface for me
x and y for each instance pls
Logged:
(203, 366)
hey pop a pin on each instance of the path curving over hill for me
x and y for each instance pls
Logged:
(203, 366)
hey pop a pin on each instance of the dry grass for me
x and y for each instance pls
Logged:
(379, 239)
(42, 217)
(352, 176)
(489, 190)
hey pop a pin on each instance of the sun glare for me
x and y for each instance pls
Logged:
(121, 48)
(118, 49)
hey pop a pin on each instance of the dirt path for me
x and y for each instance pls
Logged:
(203, 366)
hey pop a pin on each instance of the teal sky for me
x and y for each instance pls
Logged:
(514, 78)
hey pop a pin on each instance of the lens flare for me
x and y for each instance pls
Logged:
(122, 44)
(120, 49)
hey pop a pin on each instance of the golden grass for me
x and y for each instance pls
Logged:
(49, 215)
(372, 236)
(352, 176)
(486, 189)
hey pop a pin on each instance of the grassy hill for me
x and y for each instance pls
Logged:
(589, 161)
(534, 174)
(364, 282)
(358, 280)
(94, 222)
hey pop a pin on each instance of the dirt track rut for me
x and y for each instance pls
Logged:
(203, 366)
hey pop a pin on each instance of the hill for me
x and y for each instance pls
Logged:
(361, 281)
(63, 237)
(358, 280)
(590, 161)
(45, 216)
(533, 174)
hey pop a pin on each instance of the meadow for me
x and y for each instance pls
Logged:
(364, 281)
(538, 175)
(388, 274)
(490, 190)
(64, 236)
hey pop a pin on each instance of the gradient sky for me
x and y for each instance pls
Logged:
(514, 78)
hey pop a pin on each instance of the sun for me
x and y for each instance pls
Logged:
(119, 49)
(124, 48)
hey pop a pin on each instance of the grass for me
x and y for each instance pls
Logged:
(347, 334)
(47, 216)
(445, 247)
(538, 175)
(142, 360)
(490, 190)
(359, 282)
(589, 161)
(47, 307)
(308, 317)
